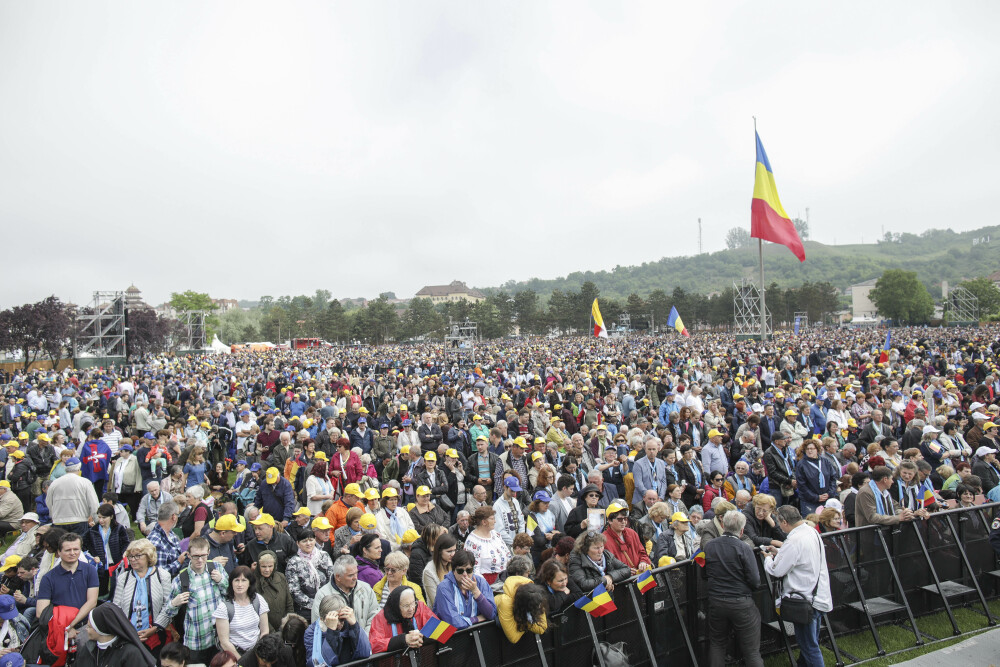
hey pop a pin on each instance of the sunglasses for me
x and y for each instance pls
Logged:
(464, 570)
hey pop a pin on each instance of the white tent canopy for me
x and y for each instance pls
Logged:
(218, 346)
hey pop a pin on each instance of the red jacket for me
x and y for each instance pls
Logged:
(382, 632)
(626, 547)
(352, 471)
(54, 642)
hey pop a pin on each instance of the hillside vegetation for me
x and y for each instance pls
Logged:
(935, 255)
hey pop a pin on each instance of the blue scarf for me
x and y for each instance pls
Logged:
(697, 473)
(466, 606)
(819, 470)
(546, 521)
(879, 500)
(140, 613)
(602, 565)
(395, 526)
(745, 484)
(317, 652)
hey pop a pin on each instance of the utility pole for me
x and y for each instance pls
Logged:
(699, 236)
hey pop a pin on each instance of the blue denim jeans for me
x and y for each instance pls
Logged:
(807, 636)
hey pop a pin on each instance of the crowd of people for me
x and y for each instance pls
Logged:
(313, 507)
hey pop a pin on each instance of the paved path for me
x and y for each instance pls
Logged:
(980, 651)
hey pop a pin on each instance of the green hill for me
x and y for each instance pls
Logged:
(935, 255)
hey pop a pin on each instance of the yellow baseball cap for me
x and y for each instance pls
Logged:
(229, 522)
(405, 449)
(321, 523)
(679, 516)
(371, 494)
(272, 475)
(352, 490)
(430, 456)
(302, 511)
(519, 441)
(10, 561)
(536, 455)
(421, 490)
(4, 483)
(614, 508)
(367, 521)
(714, 432)
(410, 536)
(539, 440)
(205, 425)
(452, 453)
(263, 519)
(17, 454)
(321, 456)
(791, 413)
(390, 492)
(22, 435)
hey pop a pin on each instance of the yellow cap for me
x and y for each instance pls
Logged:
(352, 490)
(10, 561)
(539, 440)
(714, 432)
(519, 441)
(367, 521)
(536, 455)
(263, 519)
(371, 494)
(390, 492)
(423, 491)
(791, 413)
(410, 536)
(452, 453)
(272, 475)
(679, 516)
(302, 511)
(321, 523)
(229, 522)
(430, 456)
(615, 507)
(405, 449)
(321, 456)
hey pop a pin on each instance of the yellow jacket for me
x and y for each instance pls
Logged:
(505, 611)
(377, 589)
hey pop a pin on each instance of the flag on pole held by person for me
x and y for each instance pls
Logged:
(883, 357)
(437, 630)
(929, 498)
(599, 604)
(768, 220)
(676, 322)
(700, 558)
(532, 524)
(599, 330)
(645, 581)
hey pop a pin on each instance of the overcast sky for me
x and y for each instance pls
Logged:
(254, 148)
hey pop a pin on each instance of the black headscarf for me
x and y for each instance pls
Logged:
(110, 620)
(393, 615)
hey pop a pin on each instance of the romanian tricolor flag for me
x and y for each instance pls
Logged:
(599, 330)
(599, 604)
(768, 220)
(700, 558)
(437, 630)
(676, 322)
(929, 498)
(645, 581)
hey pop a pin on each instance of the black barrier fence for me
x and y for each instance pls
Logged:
(878, 576)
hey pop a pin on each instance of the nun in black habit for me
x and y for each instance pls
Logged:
(112, 641)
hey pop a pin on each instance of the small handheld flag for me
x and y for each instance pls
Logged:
(437, 630)
(700, 558)
(599, 330)
(123, 563)
(676, 322)
(929, 498)
(645, 581)
(532, 524)
(598, 605)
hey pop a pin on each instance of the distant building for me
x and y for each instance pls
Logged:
(225, 305)
(861, 304)
(133, 299)
(454, 291)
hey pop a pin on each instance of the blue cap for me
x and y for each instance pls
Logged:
(407, 422)
(245, 413)
(383, 425)
(74, 461)
(126, 448)
(5, 437)
(512, 483)
(12, 659)
(542, 496)
(148, 435)
(362, 420)
(289, 428)
(255, 467)
(8, 609)
(241, 462)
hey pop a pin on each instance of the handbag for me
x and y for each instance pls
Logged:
(795, 608)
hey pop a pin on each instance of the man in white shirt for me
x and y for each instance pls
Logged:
(801, 560)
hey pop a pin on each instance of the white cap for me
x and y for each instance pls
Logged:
(757, 407)
(834, 504)
(979, 416)
(983, 451)
(976, 406)
(930, 429)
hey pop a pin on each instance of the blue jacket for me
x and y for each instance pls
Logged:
(666, 407)
(818, 415)
(807, 475)
(649, 476)
(447, 611)
(95, 455)
(365, 442)
(278, 500)
(362, 647)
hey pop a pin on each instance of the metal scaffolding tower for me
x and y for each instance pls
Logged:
(625, 322)
(194, 323)
(101, 326)
(802, 318)
(460, 342)
(963, 306)
(746, 310)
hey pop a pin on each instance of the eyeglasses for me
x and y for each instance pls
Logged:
(393, 570)
(619, 518)
(198, 556)
(464, 570)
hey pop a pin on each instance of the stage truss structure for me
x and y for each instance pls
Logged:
(193, 322)
(746, 310)
(460, 342)
(802, 317)
(963, 305)
(101, 326)
(625, 322)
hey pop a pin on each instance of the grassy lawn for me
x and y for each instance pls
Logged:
(860, 645)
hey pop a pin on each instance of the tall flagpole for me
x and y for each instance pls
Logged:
(760, 255)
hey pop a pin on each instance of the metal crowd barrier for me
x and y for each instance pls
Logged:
(878, 576)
